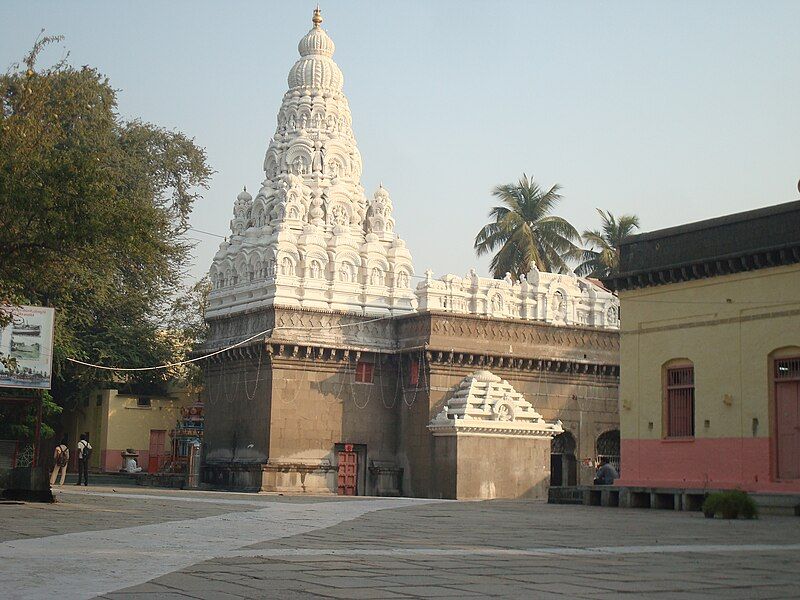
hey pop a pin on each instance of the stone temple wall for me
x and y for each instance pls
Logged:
(314, 280)
(282, 405)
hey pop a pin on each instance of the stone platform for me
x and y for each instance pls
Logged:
(663, 498)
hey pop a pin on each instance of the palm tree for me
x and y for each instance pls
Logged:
(601, 258)
(525, 232)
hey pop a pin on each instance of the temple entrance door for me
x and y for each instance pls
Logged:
(158, 439)
(347, 481)
(787, 424)
(563, 464)
(556, 470)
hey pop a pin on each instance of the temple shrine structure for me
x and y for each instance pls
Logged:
(351, 374)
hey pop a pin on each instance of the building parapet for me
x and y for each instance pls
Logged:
(560, 299)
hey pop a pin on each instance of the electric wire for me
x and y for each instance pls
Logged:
(210, 354)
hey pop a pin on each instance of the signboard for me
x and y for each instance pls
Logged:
(29, 340)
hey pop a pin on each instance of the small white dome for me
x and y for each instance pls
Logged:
(316, 41)
(316, 68)
(381, 193)
(316, 71)
(244, 196)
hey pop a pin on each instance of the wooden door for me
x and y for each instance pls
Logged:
(556, 470)
(158, 439)
(570, 470)
(787, 412)
(348, 473)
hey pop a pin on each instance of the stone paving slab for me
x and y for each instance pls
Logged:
(174, 544)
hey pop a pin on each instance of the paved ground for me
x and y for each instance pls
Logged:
(137, 543)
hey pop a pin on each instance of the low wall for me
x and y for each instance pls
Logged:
(31, 484)
(235, 476)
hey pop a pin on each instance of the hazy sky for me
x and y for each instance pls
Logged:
(673, 111)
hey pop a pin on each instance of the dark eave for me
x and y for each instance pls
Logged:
(756, 239)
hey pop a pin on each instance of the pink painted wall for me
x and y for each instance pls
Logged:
(742, 463)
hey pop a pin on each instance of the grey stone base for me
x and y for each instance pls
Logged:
(31, 484)
(299, 478)
(664, 498)
(233, 476)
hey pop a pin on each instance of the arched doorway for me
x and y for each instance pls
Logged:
(608, 447)
(563, 465)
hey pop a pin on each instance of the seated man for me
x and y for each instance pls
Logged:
(606, 473)
(131, 466)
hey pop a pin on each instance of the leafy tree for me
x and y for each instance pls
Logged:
(526, 232)
(186, 328)
(92, 220)
(601, 259)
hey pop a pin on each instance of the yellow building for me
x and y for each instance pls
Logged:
(710, 353)
(116, 422)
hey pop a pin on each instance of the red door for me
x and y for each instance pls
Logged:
(787, 412)
(158, 439)
(348, 472)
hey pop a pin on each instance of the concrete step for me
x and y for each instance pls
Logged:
(778, 504)
(120, 479)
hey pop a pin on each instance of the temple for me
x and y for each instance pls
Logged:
(311, 238)
(347, 378)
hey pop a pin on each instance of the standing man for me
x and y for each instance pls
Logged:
(61, 459)
(84, 452)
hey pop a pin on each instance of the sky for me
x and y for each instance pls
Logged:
(674, 111)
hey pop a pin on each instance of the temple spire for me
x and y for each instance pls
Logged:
(317, 18)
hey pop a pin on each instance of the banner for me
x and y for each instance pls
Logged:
(28, 339)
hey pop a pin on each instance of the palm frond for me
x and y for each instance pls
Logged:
(523, 231)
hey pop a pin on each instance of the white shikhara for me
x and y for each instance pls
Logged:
(312, 239)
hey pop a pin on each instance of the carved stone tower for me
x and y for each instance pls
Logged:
(311, 238)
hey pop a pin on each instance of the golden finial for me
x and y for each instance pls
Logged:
(317, 18)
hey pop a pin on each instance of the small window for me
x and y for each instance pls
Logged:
(99, 400)
(413, 377)
(364, 371)
(680, 402)
(787, 368)
(143, 402)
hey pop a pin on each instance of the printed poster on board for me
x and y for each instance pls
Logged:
(29, 340)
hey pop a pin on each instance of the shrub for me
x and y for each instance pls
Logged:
(730, 505)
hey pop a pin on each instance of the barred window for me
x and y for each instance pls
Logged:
(787, 368)
(680, 402)
(364, 371)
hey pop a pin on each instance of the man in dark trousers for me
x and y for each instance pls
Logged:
(84, 453)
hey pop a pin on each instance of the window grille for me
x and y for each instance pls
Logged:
(608, 447)
(364, 371)
(787, 368)
(563, 443)
(680, 402)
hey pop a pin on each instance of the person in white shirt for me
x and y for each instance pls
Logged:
(84, 452)
(60, 460)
